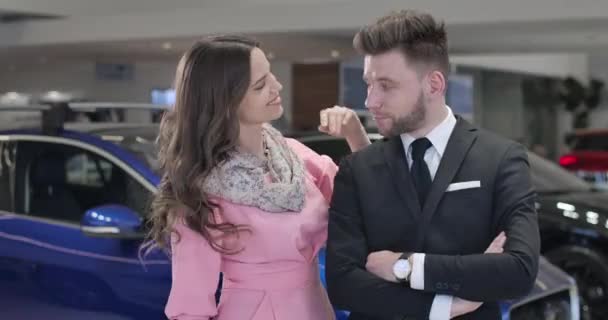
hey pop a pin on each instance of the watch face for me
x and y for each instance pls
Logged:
(401, 269)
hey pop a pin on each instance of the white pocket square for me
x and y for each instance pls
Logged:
(463, 185)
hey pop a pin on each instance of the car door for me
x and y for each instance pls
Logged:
(56, 265)
(16, 292)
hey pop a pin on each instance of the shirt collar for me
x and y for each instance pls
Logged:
(439, 136)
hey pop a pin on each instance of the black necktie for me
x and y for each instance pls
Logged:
(420, 170)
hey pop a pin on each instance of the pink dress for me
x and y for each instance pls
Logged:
(275, 276)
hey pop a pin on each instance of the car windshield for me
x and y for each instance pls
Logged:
(140, 140)
(145, 150)
(591, 143)
(548, 177)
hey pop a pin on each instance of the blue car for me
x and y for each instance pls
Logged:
(73, 205)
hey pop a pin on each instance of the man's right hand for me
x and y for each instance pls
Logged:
(461, 306)
(344, 122)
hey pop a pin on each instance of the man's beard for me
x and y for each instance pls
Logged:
(411, 122)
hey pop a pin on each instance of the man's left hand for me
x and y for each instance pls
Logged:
(380, 263)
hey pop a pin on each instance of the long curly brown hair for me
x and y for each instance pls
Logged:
(212, 79)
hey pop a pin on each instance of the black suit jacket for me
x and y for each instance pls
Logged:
(374, 207)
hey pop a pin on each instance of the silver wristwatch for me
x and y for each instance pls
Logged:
(402, 269)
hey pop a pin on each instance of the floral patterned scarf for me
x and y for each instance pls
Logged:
(275, 184)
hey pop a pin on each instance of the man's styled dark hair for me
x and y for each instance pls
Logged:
(421, 39)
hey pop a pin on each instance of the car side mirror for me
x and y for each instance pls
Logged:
(114, 221)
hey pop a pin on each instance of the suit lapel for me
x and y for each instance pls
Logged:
(458, 146)
(394, 155)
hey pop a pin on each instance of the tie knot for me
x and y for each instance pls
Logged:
(419, 147)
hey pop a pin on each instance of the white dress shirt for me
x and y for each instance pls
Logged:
(439, 137)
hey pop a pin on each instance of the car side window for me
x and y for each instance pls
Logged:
(86, 170)
(63, 181)
(7, 165)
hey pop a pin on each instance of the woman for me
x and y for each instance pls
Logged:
(237, 197)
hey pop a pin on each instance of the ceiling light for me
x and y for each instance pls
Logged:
(14, 98)
(56, 96)
(167, 45)
(335, 54)
(12, 95)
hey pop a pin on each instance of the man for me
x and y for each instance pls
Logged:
(412, 215)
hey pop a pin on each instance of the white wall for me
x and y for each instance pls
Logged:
(79, 77)
(562, 65)
(598, 69)
(550, 64)
(125, 20)
(282, 70)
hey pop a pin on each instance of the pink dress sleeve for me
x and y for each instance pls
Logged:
(195, 272)
(321, 167)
